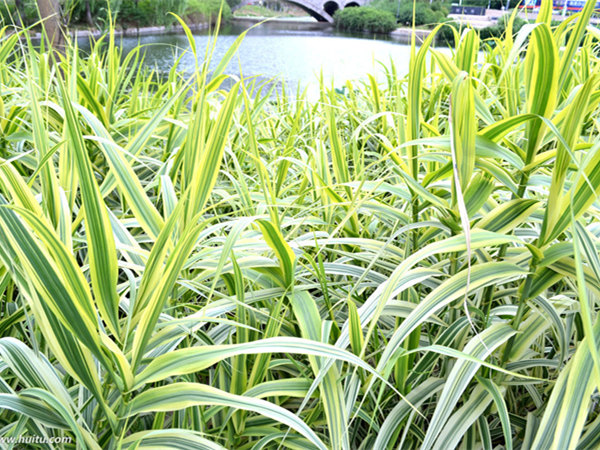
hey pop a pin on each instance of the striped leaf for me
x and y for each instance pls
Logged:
(102, 251)
(182, 395)
(480, 346)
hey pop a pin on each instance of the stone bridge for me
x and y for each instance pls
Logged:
(323, 10)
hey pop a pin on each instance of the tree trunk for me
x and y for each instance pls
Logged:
(52, 21)
(88, 13)
(20, 13)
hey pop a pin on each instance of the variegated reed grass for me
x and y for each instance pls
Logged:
(411, 264)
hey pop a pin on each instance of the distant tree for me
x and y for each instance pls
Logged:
(20, 12)
(88, 13)
(52, 22)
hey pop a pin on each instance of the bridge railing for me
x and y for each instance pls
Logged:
(467, 10)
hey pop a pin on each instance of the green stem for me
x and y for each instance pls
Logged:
(523, 297)
(488, 293)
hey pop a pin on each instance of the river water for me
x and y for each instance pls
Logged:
(293, 53)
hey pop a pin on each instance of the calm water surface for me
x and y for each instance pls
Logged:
(293, 53)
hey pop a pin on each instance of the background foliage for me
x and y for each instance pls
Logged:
(426, 13)
(364, 19)
(126, 12)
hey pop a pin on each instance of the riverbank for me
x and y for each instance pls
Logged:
(308, 24)
(403, 34)
(131, 32)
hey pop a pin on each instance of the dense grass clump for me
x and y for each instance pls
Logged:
(364, 19)
(411, 263)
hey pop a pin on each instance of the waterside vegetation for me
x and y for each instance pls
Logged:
(406, 263)
(383, 16)
(365, 19)
(99, 14)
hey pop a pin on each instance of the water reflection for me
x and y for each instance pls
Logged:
(296, 54)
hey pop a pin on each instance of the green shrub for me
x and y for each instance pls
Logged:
(364, 19)
(426, 13)
(423, 14)
(198, 11)
(439, 6)
(498, 30)
(135, 14)
(154, 12)
(390, 6)
(445, 36)
(7, 13)
(517, 24)
(29, 12)
(146, 12)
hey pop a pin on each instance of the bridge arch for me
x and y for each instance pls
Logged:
(310, 10)
(323, 10)
(331, 7)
